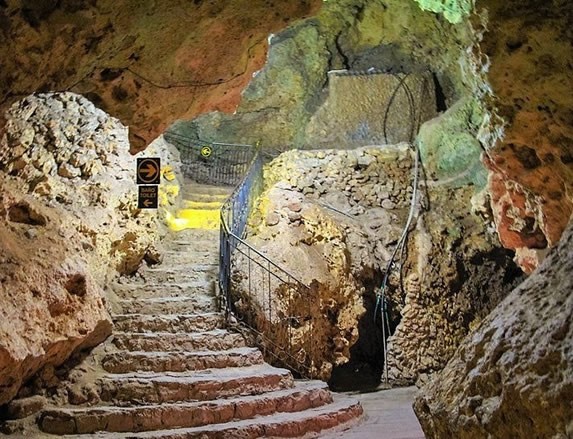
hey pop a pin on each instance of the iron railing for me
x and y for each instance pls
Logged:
(212, 162)
(280, 308)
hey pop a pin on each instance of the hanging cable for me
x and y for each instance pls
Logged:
(381, 300)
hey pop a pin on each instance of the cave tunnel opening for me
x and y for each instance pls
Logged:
(364, 371)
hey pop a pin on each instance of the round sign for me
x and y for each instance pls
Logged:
(206, 151)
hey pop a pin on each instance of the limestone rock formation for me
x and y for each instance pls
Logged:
(70, 223)
(529, 47)
(394, 37)
(333, 219)
(512, 377)
(50, 303)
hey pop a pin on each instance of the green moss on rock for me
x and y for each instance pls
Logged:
(453, 10)
(449, 147)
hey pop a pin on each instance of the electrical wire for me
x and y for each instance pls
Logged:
(381, 301)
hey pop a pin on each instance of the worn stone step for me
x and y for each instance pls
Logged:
(215, 340)
(191, 256)
(177, 275)
(340, 414)
(176, 269)
(203, 219)
(183, 415)
(177, 361)
(168, 322)
(168, 305)
(192, 188)
(188, 244)
(155, 290)
(154, 388)
(203, 203)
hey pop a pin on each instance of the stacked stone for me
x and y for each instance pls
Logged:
(368, 177)
(53, 138)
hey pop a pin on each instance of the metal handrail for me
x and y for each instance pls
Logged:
(212, 162)
(296, 356)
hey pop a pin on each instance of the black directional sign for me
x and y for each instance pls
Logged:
(148, 197)
(148, 170)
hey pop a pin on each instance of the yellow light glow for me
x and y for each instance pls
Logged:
(207, 219)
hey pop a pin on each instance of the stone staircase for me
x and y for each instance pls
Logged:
(172, 370)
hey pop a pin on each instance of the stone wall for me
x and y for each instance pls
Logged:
(372, 108)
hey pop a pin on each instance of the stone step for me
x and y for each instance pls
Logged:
(168, 322)
(184, 243)
(193, 238)
(150, 291)
(215, 340)
(183, 415)
(168, 305)
(190, 256)
(192, 188)
(181, 267)
(155, 388)
(177, 361)
(340, 414)
(203, 203)
(177, 275)
(201, 219)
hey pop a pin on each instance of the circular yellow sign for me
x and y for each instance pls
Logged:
(206, 151)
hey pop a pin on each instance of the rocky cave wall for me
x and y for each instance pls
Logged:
(333, 219)
(531, 166)
(513, 103)
(146, 62)
(513, 376)
(69, 224)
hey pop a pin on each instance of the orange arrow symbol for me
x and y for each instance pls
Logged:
(147, 203)
(149, 171)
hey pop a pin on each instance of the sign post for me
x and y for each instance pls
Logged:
(147, 197)
(148, 170)
(148, 180)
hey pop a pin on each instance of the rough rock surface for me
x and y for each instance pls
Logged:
(531, 166)
(357, 35)
(512, 377)
(147, 63)
(70, 223)
(368, 108)
(51, 304)
(333, 219)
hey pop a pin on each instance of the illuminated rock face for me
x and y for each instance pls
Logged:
(333, 218)
(513, 376)
(531, 173)
(50, 303)
(69, 223)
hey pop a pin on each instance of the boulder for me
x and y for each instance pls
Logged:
(513, 376)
